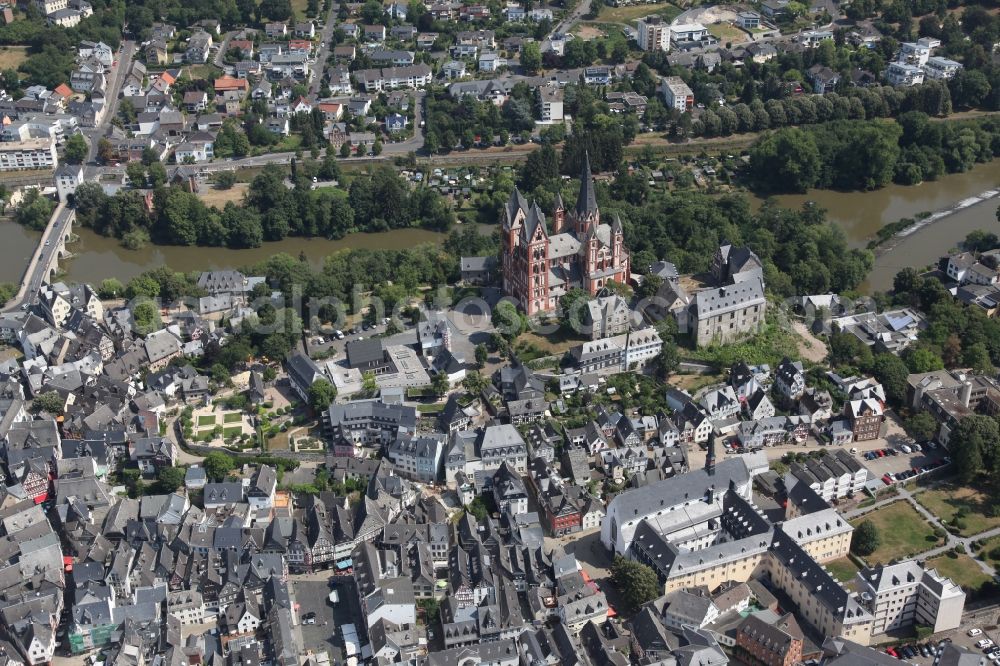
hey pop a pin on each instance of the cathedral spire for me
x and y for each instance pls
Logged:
(586, 203)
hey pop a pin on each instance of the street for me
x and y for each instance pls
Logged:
(118, 71)
(567, 23)
(326, 35)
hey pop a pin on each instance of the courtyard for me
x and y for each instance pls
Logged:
(903, 533)
(967, 505)
(217, 426)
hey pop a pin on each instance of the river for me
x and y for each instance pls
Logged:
(861, 214)
(98, 257)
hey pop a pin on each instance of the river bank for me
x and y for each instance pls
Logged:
(922, 246)
(945, 210)
(949, 208)
(96, 257)
(861, 214)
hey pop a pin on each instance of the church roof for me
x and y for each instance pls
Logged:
(514, 204)
(533, 219)
(586, 203)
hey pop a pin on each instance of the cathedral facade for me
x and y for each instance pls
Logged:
(540, 264)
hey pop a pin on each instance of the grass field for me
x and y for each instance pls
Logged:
(12, 56)
(945, 501)
(556, 343)
(987, 555)
(842, 569)
(213, 196)
(962, 569)
(726, 32)
(902, 532)
(299, 7)
(206, 420)
(206, 71)
(232, 417)
(234, 431)
(629, 15)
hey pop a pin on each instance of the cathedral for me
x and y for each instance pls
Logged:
(540, 264)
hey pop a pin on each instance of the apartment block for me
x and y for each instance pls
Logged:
(29, 154)
(905, 594)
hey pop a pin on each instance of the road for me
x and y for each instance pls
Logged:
(220, 55)
(118, 71)
(37, 271)
(565, 25)
(325, 37)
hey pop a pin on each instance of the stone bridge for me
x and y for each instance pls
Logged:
(44, 263)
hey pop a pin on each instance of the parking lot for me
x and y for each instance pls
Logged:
(896, 462)
(311, 594)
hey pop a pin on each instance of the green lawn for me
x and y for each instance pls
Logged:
(946, 501)
(842, 569)
(430, 409)
(232, 417)
(205, 71)
(961, 569)
(902, 532)
(234, 431)
(206, 420)
(990, 552)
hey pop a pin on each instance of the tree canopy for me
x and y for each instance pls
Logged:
(866, 539)
(636, 582)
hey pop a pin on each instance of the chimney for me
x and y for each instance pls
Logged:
(965, 393)
(710, 455)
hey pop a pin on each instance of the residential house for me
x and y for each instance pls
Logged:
(198, 47)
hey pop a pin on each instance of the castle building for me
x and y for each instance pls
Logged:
(541, 264)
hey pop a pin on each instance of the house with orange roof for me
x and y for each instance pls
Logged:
(331, 111)
(300, 46)
(63, 90)
(163, 82)
(230, 87)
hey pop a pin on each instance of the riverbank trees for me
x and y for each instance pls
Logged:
(376, 201)
(866, 155)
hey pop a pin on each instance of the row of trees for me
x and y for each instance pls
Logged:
(377, 201)
(858, 104)
(869, 155)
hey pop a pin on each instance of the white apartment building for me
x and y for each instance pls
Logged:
(940, 68)
(904, 594)
(653, 34)
(676, 93)
(687, 32)
(550, 99)
(903, 74)
(914, 53)
(30, 154)
(68, 178)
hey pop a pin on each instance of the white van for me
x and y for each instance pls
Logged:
(905, 448)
